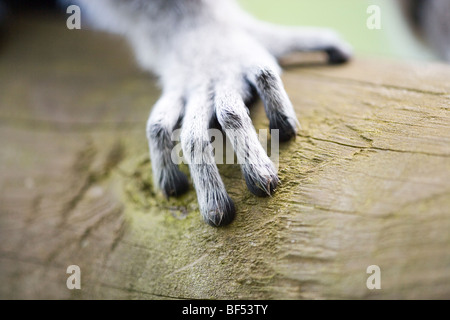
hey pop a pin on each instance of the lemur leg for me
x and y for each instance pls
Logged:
(282, 40)
(160, 125)
(232, 114)
(216, 206)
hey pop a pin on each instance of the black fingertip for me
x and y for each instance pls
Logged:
(336, 57)
(222, 216)
(177, 185)
(262, 187)
(287, 131)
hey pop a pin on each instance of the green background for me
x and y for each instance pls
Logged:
(349, 17)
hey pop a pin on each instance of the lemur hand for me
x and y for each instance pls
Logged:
(214, 70)
(211, 58)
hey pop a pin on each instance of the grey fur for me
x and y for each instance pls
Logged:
(209, 55)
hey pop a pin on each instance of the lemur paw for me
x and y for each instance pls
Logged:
(210, 57)
(221, 99)
(215, 87)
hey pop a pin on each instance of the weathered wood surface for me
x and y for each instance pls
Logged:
(366, 182)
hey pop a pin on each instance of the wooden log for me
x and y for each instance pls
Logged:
(366, 182)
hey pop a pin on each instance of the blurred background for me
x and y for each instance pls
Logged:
(409, 29)
(395, 39)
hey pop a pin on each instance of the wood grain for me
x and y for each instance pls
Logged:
(366, 182)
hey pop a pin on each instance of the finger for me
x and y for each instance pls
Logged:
(278, 107)
(281, 40)
(216, 206)
(160, 125)
(232, 114)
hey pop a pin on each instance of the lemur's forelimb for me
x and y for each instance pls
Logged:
(210, 58)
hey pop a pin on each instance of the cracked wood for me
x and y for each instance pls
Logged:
(367, 181)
